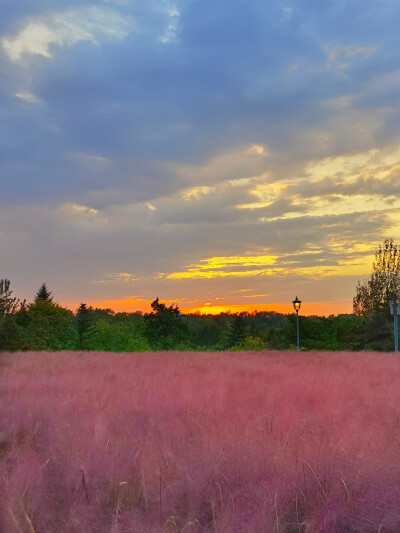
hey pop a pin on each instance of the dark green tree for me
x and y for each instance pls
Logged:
(12, 335)
(11, 332)
(166, 327)
(43, 294)
(86, 327)
(238, 331)
(204, 331)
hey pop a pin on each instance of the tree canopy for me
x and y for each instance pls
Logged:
(165, 327)
(383, 282)
(8, 303)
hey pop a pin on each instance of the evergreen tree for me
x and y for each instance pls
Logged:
(85, 325)
(43, 294)
(238, 331)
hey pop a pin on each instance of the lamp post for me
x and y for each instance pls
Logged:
(393, 311)
(297, 304)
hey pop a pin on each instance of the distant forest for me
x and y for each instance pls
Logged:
(45, 325)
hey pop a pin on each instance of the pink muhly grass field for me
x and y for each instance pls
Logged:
(199, 442)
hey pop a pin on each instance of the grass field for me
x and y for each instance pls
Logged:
(199, 442)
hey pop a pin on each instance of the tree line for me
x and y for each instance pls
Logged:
(45, 325)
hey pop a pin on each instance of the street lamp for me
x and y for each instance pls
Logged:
(393, 311)
(297, 304)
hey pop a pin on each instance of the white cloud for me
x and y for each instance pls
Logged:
(28, 97)
(65, 29)
(76, 208)
(172, 28)
(258, 149)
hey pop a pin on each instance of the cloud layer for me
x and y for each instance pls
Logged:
(194, 150)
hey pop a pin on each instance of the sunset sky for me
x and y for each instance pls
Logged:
(219, 154)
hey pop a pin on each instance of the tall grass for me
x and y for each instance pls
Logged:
(181, 442)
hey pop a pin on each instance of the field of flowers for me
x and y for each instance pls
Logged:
(199, 442)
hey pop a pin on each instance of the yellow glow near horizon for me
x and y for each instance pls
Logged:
(308, 308)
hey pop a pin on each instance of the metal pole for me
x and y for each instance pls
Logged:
(396, 335)
(298, 335)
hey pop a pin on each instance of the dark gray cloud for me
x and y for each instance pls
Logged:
(235, 71)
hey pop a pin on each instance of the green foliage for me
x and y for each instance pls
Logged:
(116, 337)
(281, 336)
(373, 295)
(383, 282)
(165, 326)
(350, 332)
(45, 325)
(8, 304)
(250, 344)
(86, 326)
(318, 333)
(238, 331)
(12, 334)
(49, 327)
(202, 331)
(378, 329)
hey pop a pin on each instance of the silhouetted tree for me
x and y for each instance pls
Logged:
(43, 294)
(165, 326)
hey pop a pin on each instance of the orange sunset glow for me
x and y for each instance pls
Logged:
(130, 305)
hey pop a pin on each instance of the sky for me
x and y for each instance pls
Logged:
(217, 154)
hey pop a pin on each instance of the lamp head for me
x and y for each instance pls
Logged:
(296, 304)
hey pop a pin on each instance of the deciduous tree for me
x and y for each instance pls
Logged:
(383, 282)
(8, 304)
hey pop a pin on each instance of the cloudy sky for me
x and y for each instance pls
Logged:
(213, 153)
